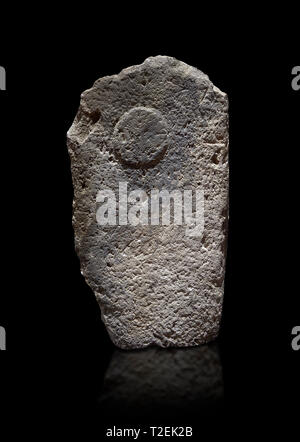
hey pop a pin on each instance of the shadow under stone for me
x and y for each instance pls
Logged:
(163, 383)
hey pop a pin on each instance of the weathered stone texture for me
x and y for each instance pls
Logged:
(160, 124)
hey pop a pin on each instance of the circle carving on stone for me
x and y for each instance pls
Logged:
(140, 137)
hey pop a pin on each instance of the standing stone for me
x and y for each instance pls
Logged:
(159, 125)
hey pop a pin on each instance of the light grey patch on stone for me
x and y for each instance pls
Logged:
(164, 125)
(2, 338)
(2, 78)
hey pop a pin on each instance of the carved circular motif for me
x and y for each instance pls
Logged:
(140, 137)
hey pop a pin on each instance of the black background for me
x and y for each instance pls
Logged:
(57, 347)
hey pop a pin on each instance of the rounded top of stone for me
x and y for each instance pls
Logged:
(155, 84)
(159, 62)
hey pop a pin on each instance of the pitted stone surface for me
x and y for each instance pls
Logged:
(140, 137)
(163, 125)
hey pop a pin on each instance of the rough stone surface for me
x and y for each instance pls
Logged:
(161, 124)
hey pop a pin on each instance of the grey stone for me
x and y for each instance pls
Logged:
(163, 125)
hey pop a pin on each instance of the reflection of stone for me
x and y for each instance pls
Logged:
(187, 379)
